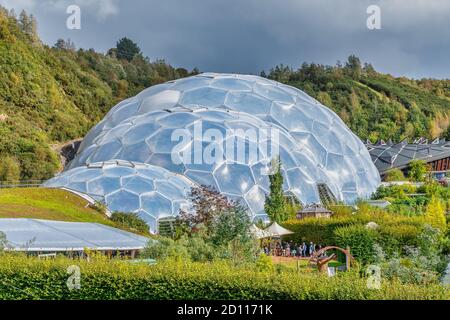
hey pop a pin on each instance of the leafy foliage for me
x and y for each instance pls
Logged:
(394, 175)
(130, 220)
(275, 205)
(359, 238)
(435, 214)
(208, 204)
(126, 49)
(216, 229)
(374, 105)
(9, 169)
(421, 264)
(417, 170)
(52, 95)
(31, 278)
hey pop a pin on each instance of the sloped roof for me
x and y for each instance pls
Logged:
(391, 155)
(314, 208)
(57, 236)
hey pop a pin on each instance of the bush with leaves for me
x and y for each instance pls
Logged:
(359, 238)
(417, 170)
(264, 263)
(394, 237)
(435, 214)
(216, 228)
(394, 192)
(421, 264)
(165, 248)
(9, 169)
(130, 220)
(276, 202)
(24, 277)
(394, 175)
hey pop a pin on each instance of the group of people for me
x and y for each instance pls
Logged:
(290, 249)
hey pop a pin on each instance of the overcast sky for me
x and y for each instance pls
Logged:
(247, 36)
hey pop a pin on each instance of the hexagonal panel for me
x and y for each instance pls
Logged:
(123, 201)
(234, 178)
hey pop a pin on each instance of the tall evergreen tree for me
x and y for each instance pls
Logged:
(275, 205)
(127, 49)
(353, 67)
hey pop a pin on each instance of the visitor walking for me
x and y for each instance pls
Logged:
(312, 248)
(304, 248)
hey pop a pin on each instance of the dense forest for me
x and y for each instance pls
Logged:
(375, 105)
(49, 95)
(53, 94)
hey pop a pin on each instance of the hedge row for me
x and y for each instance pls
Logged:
(402, 230)
(29, 278)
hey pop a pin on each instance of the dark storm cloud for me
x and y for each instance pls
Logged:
(247, 36)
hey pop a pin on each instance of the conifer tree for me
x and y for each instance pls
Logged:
(275, 205)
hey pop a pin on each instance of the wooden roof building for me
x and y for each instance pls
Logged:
(314, 211)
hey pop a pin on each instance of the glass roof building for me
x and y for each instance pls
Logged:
(163, 125)
(34, 235)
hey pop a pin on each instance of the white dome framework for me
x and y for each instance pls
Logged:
(315, 147)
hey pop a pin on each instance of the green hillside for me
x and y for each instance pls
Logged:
(48, 204)
(374, 105)
(50, 95)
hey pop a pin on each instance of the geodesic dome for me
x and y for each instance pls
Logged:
(318, 152)
(151, 192)
(147, 138)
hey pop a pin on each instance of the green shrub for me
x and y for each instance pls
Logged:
(9, 169)
(264, 263)
(130, 220)
(393, 238)
(394, 175)
(417, 170)
(30, 278)
(394, 231)
(320, 231)
(394, 191)
(360, 240)
(165, 248)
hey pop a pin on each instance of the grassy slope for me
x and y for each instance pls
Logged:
(49, 204)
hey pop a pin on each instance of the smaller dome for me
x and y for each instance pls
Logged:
(150, 191)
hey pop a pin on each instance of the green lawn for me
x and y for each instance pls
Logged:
(49, 204)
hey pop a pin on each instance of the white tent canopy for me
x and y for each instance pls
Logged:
(277, 231)
(259, 233)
